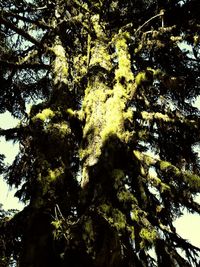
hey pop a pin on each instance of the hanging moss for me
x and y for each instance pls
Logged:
(113, 216)
(88, 233)
(147, 234)
(192, 179)
(125, 196)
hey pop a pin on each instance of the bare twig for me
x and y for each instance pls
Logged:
(161, 14)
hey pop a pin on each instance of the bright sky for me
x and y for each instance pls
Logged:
(10, 150)
(187, 225)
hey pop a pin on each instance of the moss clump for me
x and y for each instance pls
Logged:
(147, 76)
(192, 179)
(58, 130)
(44, 115)
(164, 165)
(140, 78)
(88, 230)
(113, 216)
(125, 196)
(148, 234)
(124, 71)
(118, 176)
(54, 174)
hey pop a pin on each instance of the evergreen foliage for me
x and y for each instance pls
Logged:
(107, 160)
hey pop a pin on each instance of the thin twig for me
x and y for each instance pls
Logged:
(146, 22)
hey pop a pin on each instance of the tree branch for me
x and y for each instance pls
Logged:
(37, 23)
(24, 65)
(19, 31)
(161, 14)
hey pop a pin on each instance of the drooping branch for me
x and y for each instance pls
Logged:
(11, 133)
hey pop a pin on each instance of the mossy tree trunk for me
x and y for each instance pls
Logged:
(107, 159)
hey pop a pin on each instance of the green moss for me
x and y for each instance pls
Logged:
(149, 234)
(70, 112)
(124, 59)
(118, 176)
(89, 228)
(119, 219)
(147, 76)
(164, 165)
(105, 208)
(136, 213)
(44, 115)
(125, 196)
(59, 130)
(164, 187)
(192, 179)
(54, 174)
(113, 216)
(60, 65)
(104, 108)
(140, 78)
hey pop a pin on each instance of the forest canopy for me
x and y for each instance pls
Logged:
(106, 160)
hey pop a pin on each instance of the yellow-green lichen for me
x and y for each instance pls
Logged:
(97, 26)
(70, 112)
(80, 68)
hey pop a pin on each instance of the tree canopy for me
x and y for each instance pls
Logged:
(107, 159)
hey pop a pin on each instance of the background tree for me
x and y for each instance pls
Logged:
(114, 83)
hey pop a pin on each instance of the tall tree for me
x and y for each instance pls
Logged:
(107, 159)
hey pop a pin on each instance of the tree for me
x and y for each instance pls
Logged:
(107, 159)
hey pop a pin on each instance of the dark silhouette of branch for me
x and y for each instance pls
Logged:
(19, 31)
(24, 65)
(25, 19)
